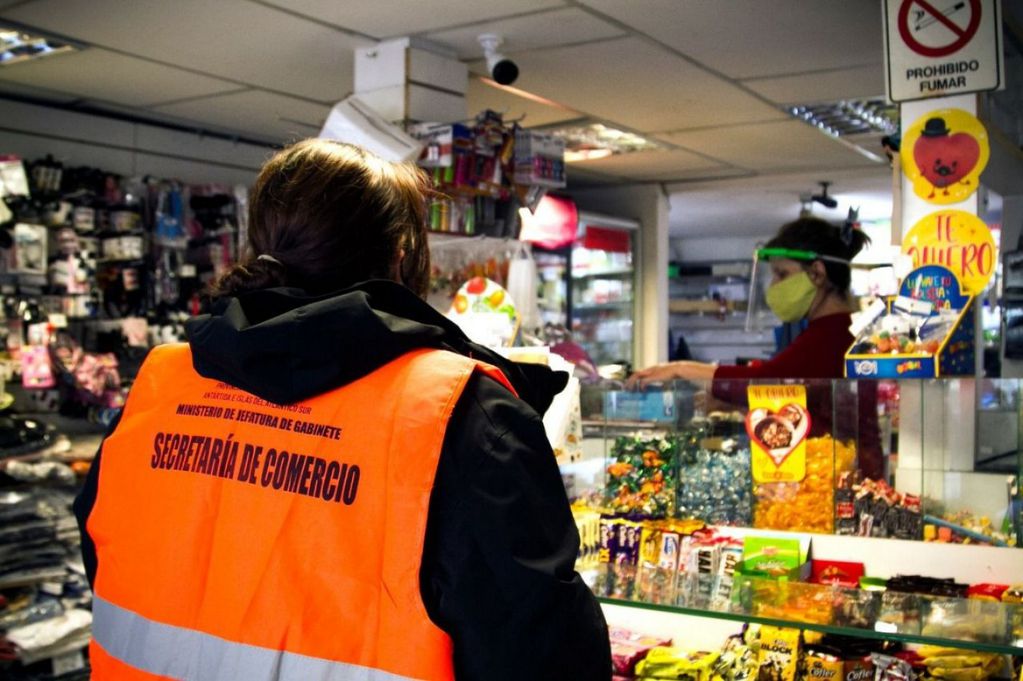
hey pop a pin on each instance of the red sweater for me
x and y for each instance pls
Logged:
(818, 352)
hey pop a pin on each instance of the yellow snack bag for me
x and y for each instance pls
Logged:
(779, 653)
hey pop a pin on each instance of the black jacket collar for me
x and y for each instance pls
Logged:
(285, 346)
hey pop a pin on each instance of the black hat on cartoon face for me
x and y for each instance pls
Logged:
(935, 127)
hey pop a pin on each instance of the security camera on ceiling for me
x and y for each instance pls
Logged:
(823, 198)
(503, 70)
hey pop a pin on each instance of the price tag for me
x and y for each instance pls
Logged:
(58, 321)
(187, 271)
(68, 662)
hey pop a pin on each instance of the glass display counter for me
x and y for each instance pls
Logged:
(895, 477)
(955, 622)
(935, 460)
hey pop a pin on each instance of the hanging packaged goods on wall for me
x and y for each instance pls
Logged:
(483, 172)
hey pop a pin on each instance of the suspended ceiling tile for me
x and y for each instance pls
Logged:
(529, 113)
(855, 83)
(647, 165)
(17, 89)
(404, 17)
(746, 38)
(191, 145)
(544, 29)
(231, 39)
(769, 146)
(255, 112)
(38, 120)
(632, 83)
(100, 74)
(69, 152)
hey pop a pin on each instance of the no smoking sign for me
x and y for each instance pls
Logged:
(937, 48)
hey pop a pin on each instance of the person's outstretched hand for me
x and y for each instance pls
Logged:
(670, 371)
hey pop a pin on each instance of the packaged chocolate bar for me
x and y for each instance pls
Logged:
(857, 608)
(670, 550)
(730, 557)
(706, 570)
(845, 504)
(779, 653)
(650, 545)
(821, 663)
(890, 668)
(675, 663)
(738, 661)
(608, 537)
(928, 586)
(626, 546)
(629, 647)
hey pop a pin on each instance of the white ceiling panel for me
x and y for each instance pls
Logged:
(759, 205)
(651, 165)
(100, 74)
(404, 17)
(231, 39)
(638, 85)
(826, 86)
(769, 146)
(7, 87)
(264, 114)
(545, 29)
(746, 38)
(530, 113)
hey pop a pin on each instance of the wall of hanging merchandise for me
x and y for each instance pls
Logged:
(95, 268)
(484, 172)
(455, 261)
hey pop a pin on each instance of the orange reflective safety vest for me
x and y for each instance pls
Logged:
(239, 539)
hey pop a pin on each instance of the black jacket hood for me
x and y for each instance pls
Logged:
(285, 346)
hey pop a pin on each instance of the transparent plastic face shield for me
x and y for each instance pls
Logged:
(759, 317)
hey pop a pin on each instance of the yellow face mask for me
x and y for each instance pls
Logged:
(790, 298)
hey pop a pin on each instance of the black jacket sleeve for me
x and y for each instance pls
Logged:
(498, 562)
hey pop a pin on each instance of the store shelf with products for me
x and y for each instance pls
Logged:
(948, 621)
(602, 286)
(931, 537)
(46, 606)
(708, 304)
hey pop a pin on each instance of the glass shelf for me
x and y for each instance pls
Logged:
(971, 624)
(597, 307)
(597, 274)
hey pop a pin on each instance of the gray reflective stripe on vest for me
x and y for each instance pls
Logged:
(179, 653)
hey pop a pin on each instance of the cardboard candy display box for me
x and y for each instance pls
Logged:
(924, 332)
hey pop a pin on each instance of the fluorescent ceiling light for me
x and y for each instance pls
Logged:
(19, 44)
(576, 155)
(839, 120)
(586, 140)
(849, 117)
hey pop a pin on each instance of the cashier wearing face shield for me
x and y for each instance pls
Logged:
(809, 265)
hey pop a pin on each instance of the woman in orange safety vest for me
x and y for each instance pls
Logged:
(329, 480)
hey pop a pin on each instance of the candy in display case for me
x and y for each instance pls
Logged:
(924, 332)
(816, 456)
(714, 478)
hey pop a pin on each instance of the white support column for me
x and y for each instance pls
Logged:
(409, 79)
